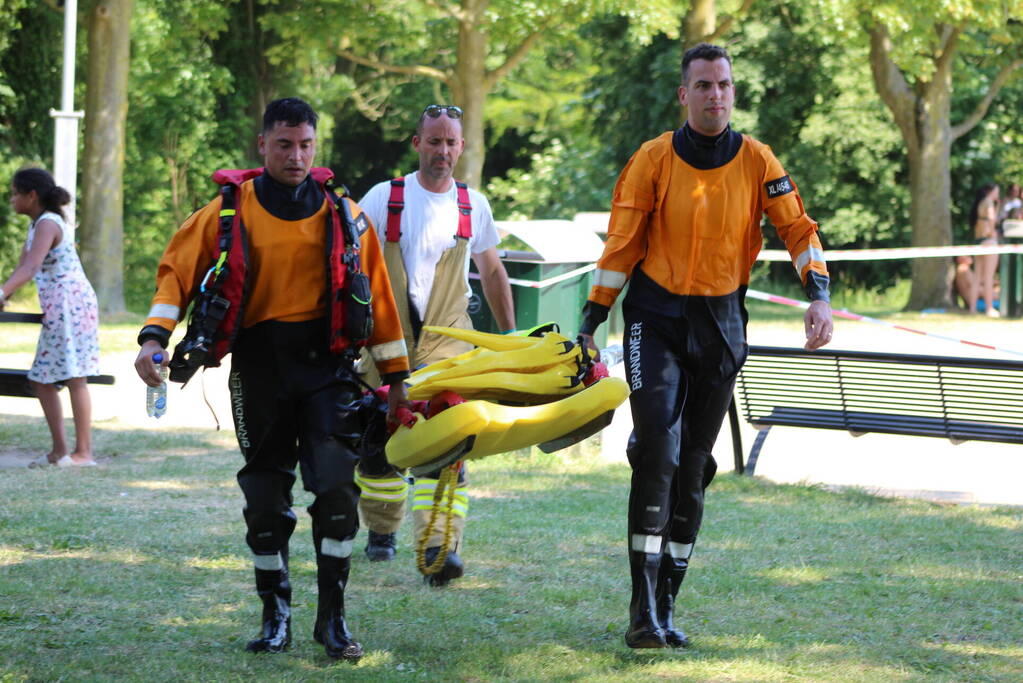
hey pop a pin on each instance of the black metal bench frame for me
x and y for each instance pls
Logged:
(961, 399)
(15, 382)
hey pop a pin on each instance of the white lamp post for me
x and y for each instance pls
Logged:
(65, 129)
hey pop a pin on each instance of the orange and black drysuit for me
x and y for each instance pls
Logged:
(684, 233)
(284, 382)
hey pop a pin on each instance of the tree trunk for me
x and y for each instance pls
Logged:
(469, 88)
(262, 74)
(700, 22)
(923, 114)
(930, 191)
(106, 108)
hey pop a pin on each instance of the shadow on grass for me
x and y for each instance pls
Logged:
(25, 437)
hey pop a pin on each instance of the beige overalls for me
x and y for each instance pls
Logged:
(382, 504)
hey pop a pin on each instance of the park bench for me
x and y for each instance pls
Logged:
(961, 399)
(15, 382)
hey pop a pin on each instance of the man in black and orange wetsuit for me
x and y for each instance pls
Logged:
(684, 233)
(286, 383)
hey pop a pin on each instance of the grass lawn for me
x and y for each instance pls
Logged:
(138, 571)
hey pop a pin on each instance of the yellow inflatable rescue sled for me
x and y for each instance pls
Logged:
(520, 392)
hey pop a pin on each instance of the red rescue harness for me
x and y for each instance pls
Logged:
(396, 203)
(219, 306)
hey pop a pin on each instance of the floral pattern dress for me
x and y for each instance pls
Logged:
(69, 342)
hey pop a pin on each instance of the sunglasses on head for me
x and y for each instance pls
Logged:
(435, 110)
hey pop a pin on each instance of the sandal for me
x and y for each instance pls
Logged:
(44, 461)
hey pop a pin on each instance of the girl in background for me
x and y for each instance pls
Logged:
(984, 222)
(68, 349)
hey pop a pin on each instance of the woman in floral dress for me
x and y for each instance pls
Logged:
(68, 349)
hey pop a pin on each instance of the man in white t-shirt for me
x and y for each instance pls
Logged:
(430, 225)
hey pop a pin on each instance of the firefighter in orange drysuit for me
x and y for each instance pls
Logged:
(287, 379)
(684, 233)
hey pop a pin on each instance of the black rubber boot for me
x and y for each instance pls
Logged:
(331, 631)
(644, 628)
(381, 547)
(452, 569)
(274, 590)
(670, 578)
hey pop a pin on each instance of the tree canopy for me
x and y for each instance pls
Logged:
(849, 94)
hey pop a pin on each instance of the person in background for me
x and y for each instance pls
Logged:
(965, 282)
(1013, 201)
(68, 349)
(430, 225)
(984, 223)
(684, 233)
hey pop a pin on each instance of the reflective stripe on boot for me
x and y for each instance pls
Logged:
(274, 589)
(333, 562)
(674, 563)
(644, 629)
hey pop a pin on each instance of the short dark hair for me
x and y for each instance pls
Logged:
(291, 111)
(702, 51)
(51, 195)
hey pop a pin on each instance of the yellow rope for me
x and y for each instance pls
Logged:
(447, 483)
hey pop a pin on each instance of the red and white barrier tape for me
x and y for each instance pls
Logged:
(900, 253)
(775, 299)
(540, 284)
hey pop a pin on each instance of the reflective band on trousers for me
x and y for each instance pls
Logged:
(268, 563)
(650, 545)
(388, 350)
(608, 278)
(168, 311)
(390, 489)
(422, 498)
(679, 551)
(811, 254)
(336, 548)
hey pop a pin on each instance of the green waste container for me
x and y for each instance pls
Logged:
(550, 283)
(1011, 273)
(540, 296)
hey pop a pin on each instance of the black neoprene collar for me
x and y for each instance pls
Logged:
(285, 202)
(703, 151)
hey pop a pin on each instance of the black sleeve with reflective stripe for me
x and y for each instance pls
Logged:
(593, 315)
(817, 286)
(161, 335)
(392, 377)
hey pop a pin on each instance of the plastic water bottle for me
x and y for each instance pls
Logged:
(612, 355)
(156, 397)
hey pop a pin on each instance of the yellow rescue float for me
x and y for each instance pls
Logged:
(519, 391)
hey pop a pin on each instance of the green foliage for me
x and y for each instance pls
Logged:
(632, 96)
(559, 182)
(173, 130)
(30, 72)
(559, 127)
(807, 94)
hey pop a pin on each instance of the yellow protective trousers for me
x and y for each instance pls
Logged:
(382, 505)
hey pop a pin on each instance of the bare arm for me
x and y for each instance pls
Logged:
(496, 287)
(47, 236)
